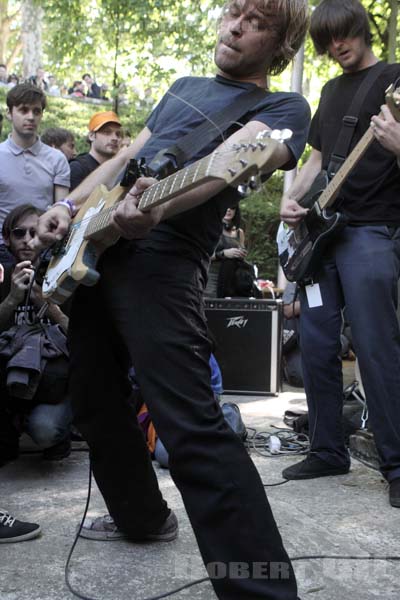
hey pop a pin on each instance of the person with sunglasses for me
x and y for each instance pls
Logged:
(47, 416)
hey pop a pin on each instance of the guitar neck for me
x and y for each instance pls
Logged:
(328, 196)
(158, 193)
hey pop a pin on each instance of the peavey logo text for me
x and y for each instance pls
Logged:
(237, 322)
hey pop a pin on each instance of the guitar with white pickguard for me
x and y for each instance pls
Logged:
(92, 232)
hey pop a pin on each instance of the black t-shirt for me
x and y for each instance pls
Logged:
(371, 193)
(23, 311)
(81, 167)
(195, 232)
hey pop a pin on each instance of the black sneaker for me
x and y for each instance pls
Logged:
(58, 451)
(312, 467)
(12, 530)
(394, 492)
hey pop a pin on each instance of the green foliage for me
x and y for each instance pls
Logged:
(260, 221)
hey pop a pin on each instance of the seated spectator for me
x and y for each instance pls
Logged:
(60, 138)
(53, 90)
(38, 80)
(13, 80)
(126, 139)
(105, 134)
(77, 90)
(3, 76)
(104, 92)
(33, 395)
(93, 90)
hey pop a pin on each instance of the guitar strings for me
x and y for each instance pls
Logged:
(107, 211)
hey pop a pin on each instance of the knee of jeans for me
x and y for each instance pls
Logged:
(161, 454)
(46, 434)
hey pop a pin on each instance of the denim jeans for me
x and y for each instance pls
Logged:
(360, 271)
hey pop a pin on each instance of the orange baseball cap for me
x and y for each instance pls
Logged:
(101, 118)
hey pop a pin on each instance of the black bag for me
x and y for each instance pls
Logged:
(233, 417)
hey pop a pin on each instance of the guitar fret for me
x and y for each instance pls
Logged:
(329, 194)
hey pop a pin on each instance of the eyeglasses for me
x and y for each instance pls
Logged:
(20, 232)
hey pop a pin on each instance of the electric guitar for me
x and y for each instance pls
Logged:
(300, 248)
(92, 232)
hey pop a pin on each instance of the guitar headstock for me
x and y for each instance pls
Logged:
(245, 159)
(393, 100)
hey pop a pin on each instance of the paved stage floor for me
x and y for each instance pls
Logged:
(343, 516)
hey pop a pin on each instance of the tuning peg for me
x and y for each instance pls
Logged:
(252, 185)
(255, 183)
(281, 134)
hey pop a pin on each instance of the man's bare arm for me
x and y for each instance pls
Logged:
(132, 223)
(60, 192)
(291, 212)
(206, 191)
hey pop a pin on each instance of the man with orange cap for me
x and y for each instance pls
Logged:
(105, 135)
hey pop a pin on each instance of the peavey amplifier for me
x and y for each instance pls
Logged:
(248, 336)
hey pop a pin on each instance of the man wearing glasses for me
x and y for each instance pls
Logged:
(46, 417)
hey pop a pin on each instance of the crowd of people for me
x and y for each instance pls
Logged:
(85, 88)
(147, 307)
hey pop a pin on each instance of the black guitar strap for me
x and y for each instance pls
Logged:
(171, 159)
(350, 120)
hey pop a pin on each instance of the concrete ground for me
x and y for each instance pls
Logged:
(343, 516)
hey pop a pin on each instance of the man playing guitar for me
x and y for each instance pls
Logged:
(361, 266)
(147, 310)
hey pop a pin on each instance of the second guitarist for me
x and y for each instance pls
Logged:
(361, 267)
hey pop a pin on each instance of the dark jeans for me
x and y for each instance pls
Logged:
(147, 310)
(361, 272)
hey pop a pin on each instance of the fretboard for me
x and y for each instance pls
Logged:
(181, 181)
(330, 192)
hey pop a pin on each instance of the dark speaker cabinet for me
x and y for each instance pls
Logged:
(248, 336)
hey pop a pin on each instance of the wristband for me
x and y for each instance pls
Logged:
(69, 205)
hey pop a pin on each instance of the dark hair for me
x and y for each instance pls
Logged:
(16, 215)
(3, 65)
(339, 19)
(25, 93)
(56, 136)
(86, 75)
(235, 222)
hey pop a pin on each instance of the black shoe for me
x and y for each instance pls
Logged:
(312, 467)
(104, 529)
(58, 451)
(12, 530)
(394, 492)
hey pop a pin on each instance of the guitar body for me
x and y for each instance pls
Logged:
(75, 262)
(300, 249)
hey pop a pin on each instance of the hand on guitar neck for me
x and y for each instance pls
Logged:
(129, 221)
(387, 130)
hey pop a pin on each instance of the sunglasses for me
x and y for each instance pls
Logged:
(20, 232)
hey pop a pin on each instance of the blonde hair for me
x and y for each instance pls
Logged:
(294, 20)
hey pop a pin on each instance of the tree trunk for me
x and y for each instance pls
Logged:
(10, 43)
(32, 20)
(394, 10)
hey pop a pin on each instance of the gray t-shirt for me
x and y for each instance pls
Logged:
(28, 175)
